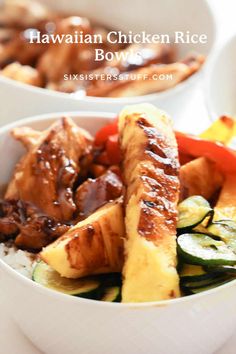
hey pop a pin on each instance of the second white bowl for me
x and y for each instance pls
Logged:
(152, 16)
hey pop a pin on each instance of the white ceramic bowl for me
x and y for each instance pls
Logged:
(221, 81)
(60, 324)
(153, 16)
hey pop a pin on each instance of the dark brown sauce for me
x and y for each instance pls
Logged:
(94, 193)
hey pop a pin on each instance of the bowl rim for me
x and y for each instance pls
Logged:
(183, 85)
(61, 296)
(231, 40)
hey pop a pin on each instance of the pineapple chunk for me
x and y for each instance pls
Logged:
(226, 204)
(93, 246)
(200, 177)
(221, 130)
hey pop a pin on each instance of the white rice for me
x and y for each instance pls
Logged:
(22, 261)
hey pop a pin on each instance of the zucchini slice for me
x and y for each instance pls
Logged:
(190, 272)
(192, 211)
(201, 249)
(112, 294)
(200, 229)
(208, 287)
(46, 276)
(204, 282)
(226, 231)
(223, 269)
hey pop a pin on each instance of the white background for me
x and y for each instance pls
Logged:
(11, 340)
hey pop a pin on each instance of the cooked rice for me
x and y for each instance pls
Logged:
(21, 261)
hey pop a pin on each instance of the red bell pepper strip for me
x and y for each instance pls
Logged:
(224, 157)
(103, 134)
(113, 149)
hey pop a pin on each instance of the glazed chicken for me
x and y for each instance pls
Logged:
(22, 73)
(94, 193)
(31, 228)
(149, 79)
(72, 58)
(50, 190)
(46, 175)
(16, 17)
(147, 55)
(23, 14)
(67, 55)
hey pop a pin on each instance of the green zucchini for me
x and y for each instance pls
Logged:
(200, 229)
(208, 287)
(204, 282)
(46, 276)
(228, 222)
(191, 270)
(192, 211)
(223, 269)
(202, 249)
(226, 231)
(194, 273)
(112, 294)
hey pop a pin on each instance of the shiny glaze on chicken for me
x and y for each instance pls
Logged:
(46, 175)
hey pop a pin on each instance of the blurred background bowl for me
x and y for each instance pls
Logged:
(221, 81)
(157, 16)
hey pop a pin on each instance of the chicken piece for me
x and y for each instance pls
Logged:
(31, 229)
(8, 217)
(23, 13)
(150, 173)
(81, 61)
(7, 34)
(138, 56)
(15, 47)
(22, 73)
(19, 50)
(38, 231)
(60, 58)
(19, 18)
(27, 136)
(200, 177)
(148, 79)
(46, 175)
(93, 246)
(94, 193)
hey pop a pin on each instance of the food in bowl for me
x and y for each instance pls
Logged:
(138, 69)
(137, 213)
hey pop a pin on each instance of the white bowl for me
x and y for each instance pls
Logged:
(221, 81)
(58, 323)
(162, 16)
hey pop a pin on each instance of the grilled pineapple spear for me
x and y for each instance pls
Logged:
(93, 246)
(150, 169)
